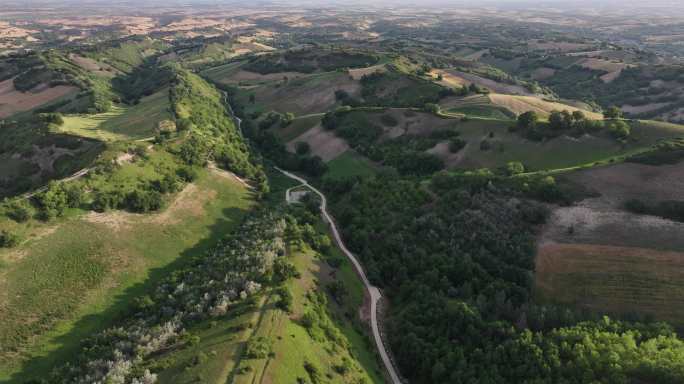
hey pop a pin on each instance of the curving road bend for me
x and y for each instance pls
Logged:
(374, 292)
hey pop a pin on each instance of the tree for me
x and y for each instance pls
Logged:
(456, 144)
(431, 108)
(287, 119)
(556, 120)
(619, 129)
(53, 201)
(514, 168)
(19, 211)
(8, 239)
(613, 112)
(528, 120)
(302, 148)
(485, 145)
(578, 115)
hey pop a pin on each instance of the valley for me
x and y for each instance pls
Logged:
(296, 193)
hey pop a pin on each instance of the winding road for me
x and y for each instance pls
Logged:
(373, 292)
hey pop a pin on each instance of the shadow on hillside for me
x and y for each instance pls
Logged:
(68, 346)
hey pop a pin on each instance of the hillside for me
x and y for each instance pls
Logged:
(336, 194)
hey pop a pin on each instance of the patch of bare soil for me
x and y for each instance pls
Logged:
(323, 143)
(228, 175)
(186, 204)
(450, 159)
(13, 101)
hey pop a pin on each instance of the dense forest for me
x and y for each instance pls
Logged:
(456, 257)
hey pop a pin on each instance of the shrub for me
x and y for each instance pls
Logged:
(19, 211)
(612, 112)
(338, 291)
(514, 168)
(528, 120)
(431, 108)
(636, 206)
(8, 239)
(187, 174)
(258, 348)
(194, 151)
(285, 299)
(309, 320)
(106, 200)
(619, 129)
(485, 145)
(456, 144)
(389, 121)
(144, 201)
(52, 202)
(302, 148)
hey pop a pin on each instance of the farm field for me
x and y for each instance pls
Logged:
(122, 122)
(595, 255)
(13, 101)
(455, 77)
(75, 276)
(301, 96)
(613, 279)
(503, 106)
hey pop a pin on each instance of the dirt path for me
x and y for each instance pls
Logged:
(221, 172)
(374, 292)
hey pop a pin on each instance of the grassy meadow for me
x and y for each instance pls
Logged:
(350, 164)
(122, 122)
(75, 276)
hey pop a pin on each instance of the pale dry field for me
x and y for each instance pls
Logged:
(469, 78)
(522, 104)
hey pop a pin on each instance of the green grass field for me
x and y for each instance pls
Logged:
(483, 112)
(558, 153)
(74, 277)
(349, 164)
(122, 123)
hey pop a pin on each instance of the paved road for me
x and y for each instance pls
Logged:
(374, 292)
